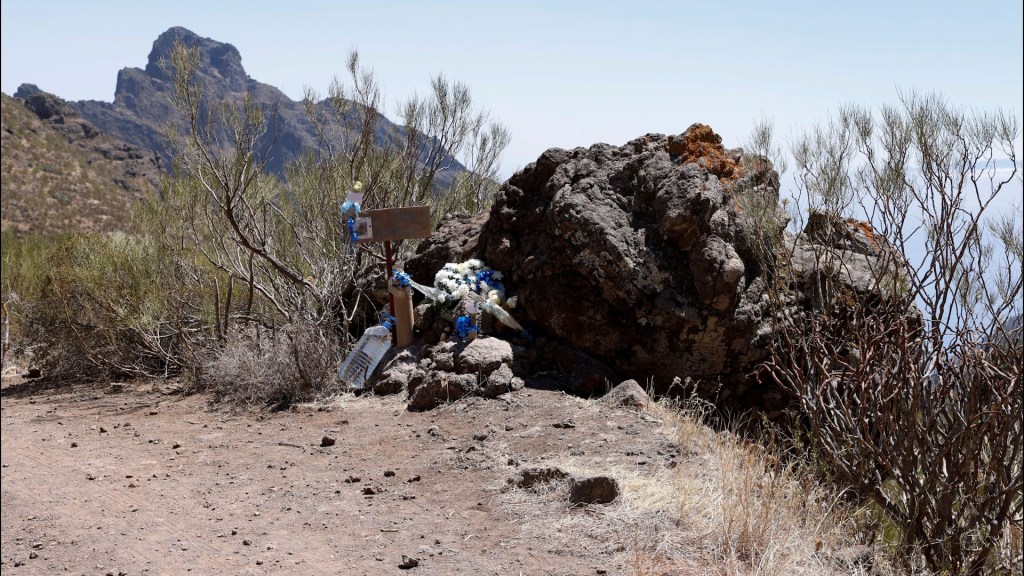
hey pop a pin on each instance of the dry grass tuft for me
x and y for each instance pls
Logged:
(729, 508)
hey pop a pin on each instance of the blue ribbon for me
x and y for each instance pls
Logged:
(487, 276)
(354, 208)
(352, 236)
(403, 279)
(464, 325)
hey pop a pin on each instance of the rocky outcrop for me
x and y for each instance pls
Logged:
(449, 371)
(640, 257)
(142, 107)
(456, 240)
(634, 255)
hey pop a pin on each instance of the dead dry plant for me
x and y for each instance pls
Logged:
(295, 363)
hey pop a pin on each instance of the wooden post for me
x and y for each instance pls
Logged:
(402, 299)
(391, 295)
(385, 225)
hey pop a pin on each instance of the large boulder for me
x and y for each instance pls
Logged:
(641, 257)
(633, 255)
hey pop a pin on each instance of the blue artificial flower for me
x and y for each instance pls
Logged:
(348, 206)
(464, 325)
(403, 279)
(485, 281)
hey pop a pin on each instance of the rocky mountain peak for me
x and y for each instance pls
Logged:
(26, 90)
(142, 106)
(218, 61)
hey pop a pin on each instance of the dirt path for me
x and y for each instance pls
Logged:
(140, 482)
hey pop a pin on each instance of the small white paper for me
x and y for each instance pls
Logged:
(471, 307)
(354, 197)
(364, 228)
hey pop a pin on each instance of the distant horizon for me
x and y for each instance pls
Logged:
(564, 75)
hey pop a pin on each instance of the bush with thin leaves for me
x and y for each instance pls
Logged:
(107, 311)
(912, 387)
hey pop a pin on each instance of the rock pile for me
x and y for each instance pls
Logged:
(449, 371)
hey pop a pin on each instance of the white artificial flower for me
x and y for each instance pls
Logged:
(511, 302)
(473, 263)
(493, 297)
(497, 275)
(484, 287)
(462, 291)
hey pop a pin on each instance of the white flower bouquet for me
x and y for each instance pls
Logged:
(454, 282)
(470, 286)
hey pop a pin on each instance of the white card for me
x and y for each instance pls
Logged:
(471, 307)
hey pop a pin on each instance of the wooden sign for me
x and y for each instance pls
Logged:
(386, 224)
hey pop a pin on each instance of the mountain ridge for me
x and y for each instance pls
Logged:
(62, 174)
(142, 107)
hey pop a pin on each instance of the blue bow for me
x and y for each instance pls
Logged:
(403, 279)
(464, 325)
(354, 208)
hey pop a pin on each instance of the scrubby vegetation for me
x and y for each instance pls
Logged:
(231, 266)
(248, 284)
(910, 382)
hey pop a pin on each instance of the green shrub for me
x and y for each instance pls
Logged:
(110, 310)
(23, 268)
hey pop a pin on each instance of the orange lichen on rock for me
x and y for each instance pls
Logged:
(700, 145)
(867, 230)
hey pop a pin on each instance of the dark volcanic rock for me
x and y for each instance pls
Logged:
(596, 490)
(455, 241)
(43, 104)
(531, 477)
(632, 256)
(639, 257)
(448, 371)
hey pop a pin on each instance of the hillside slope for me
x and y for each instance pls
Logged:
(62, 174)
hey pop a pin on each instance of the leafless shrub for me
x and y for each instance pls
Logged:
(267, 251)
(294, 363)
(910, 378)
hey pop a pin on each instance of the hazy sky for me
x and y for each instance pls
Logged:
(560, 73)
